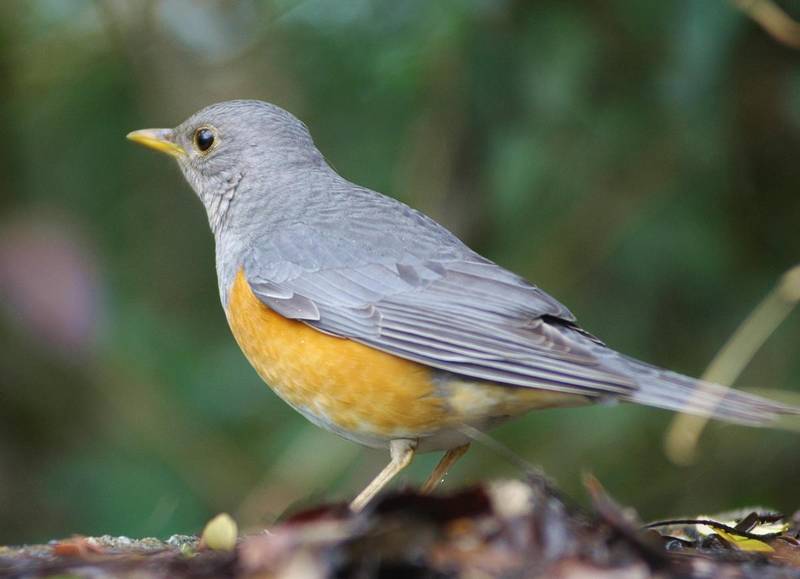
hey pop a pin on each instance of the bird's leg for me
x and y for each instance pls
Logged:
(401, 451)
(437, 476)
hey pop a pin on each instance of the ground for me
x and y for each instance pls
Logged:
(503, 529)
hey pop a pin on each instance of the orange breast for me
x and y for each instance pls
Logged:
(351, 386)
(357, 390)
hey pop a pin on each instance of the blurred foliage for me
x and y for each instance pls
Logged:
(637, 160)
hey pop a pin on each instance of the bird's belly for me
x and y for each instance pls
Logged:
(358, 392)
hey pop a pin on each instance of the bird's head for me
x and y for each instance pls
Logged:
(230, 144)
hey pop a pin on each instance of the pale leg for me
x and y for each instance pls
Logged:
(401, 451)
(448, 460)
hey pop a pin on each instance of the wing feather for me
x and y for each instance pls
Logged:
(462, 313)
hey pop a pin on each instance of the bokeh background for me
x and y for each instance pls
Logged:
(639, 160)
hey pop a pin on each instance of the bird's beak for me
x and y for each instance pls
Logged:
(159, 139)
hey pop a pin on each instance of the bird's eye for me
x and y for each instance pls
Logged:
(204, 138)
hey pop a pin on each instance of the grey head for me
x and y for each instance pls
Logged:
(232, 151)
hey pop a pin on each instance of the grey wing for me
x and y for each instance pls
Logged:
(448, 308)
(419, 293)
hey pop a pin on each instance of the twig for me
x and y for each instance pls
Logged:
(773, 20)
(713, 525)
(680, 441)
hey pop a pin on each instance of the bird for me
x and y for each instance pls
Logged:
(377, 323)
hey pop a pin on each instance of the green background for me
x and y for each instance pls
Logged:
(638, 160)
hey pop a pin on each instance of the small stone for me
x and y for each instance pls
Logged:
(182, 541)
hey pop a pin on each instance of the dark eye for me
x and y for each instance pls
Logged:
(204, 138)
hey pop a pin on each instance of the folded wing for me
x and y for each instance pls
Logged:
(453, 311)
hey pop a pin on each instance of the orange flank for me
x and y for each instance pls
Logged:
(354, 387)
(358, 389)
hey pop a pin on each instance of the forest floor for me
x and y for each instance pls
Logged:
(502, 529)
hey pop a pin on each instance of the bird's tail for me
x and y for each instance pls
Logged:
(673, 391)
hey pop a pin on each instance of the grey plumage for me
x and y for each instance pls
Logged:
(356, 264)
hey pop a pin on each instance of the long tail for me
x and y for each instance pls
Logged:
(673, 391)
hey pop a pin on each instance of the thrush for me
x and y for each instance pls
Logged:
(377, 323)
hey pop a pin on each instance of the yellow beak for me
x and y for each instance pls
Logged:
(159, 139)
